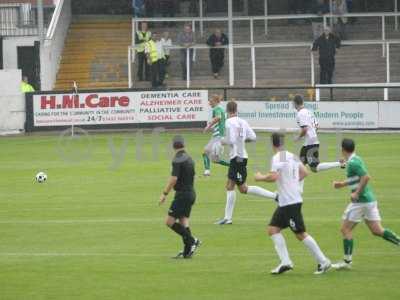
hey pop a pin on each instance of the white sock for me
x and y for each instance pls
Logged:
(230, 204)
(301, 186)
(327, 166)
(258, 191)
(312, 245)
(281, 249)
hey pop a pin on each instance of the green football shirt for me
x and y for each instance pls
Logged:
(355, 170)
(219, 128)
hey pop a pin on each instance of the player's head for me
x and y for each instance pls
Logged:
(178, 142)
(278, 140)
(348, 147)
(25, 79)
(215, 100)
(144, 26)
(298, 101)
(231, 108)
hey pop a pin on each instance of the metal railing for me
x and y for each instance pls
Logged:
(252, 47)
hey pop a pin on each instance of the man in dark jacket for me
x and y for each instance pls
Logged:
(326, 45)
(217, 55)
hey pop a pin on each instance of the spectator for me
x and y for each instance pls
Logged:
(320, 7)
(166, 42)
(217, 55)
(25, 86)
(152, 56)
(186, 39)
(339, 7)
(161, 59)
(326, 45)
(141, 38)
(150, 6)
(138, 8)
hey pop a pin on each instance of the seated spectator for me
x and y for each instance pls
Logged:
(25, 86)
(320, 7)
(186, 39)
(217, 55)
(166, 42)
(339, 7)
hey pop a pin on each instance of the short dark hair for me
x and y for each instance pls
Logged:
(298, 100)
(231, 107)
(348, 145)
(278, 139)
(178, 142)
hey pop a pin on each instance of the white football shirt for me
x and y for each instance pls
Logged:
(306, 118)
(289, 188)
(237, 132)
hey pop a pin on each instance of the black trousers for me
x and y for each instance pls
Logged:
(142, 61)
(327, 66)
(158, 73)
(217, 57)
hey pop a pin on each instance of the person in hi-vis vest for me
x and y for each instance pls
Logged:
(142, 36)
(152, 60)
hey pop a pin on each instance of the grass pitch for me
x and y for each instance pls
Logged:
(94, 229)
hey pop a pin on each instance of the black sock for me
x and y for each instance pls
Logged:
(183, 232)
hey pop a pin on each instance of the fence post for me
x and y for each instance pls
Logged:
(201, 18)
(231, 58)
(386, 90)
(383, 36)
(129, 68)
(251, 31)
(317, 94)
(396, 19)
(312, 70)
(266, 15)
(187, 68)
(253, 65)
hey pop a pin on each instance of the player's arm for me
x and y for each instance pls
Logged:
(302, 133)
(230, 136)
(212, 123)
(363, 182)
(170, 185)
(250, 134)
(303, 173)
(270, 177)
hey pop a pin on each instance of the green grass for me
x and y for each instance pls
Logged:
(95, 231)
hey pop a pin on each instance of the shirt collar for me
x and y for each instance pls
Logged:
(352, 156)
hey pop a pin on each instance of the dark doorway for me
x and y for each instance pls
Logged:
(27, 63)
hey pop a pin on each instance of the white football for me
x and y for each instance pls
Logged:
(41, 177)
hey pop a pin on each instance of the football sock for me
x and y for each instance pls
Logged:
(230, 204)
(391, 236)
(223, 163)
(327, 166)
(183, 232)
(281, 249)
(206, 161)
(312, 245)
(348, 249)
(258, 191)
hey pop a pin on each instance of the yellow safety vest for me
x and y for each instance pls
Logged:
(26, 88)
(145, 37)
(152, 51)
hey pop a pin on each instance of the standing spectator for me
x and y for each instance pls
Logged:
(167, 8)
(217, 55)
(186, 39)
(320, 7)
(161, 59)
(166, 42)
(326, 44)
(152, 60)
(25, 86)
(339, 7)
(141, 38)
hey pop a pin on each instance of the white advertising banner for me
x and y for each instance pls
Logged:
(389, 114)
(330, 115)
(120, 108)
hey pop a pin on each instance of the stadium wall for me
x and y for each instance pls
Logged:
(118, 109)
(10, 45)
(12, 102)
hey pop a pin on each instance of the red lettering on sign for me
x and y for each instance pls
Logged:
(45, 101)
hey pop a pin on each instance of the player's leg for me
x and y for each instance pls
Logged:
(189, 248)
(351, 217)
(297, 226)
(377, 229)
(303, 159)
(230, 203)
(277, 223)
(217, 151)
(206, 158)
(316, 165)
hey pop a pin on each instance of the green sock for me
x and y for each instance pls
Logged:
(348, 249)
(206, 162)
(391, 236)
(223, 163)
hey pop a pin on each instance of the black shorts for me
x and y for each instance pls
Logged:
(289, 216)
(309, 155)
(238, 170)
(182, 204)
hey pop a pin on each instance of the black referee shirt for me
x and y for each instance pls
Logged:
(183, 168)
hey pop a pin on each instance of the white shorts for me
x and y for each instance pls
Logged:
(214, 148)
(356, 212)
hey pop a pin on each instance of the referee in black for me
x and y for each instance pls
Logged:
(181, 180)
